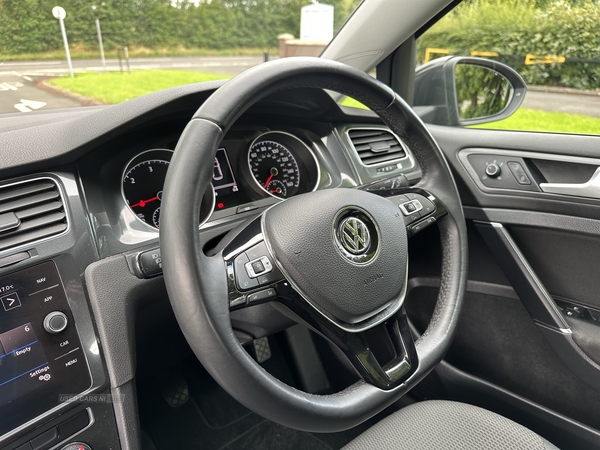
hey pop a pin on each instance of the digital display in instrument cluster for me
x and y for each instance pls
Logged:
(224, 181)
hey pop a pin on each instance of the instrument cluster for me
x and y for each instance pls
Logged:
(248, 166)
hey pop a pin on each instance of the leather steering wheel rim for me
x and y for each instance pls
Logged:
(197, 284)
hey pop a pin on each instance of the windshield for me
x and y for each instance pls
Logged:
(85, 53)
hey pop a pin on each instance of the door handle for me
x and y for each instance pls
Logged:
(590, 189)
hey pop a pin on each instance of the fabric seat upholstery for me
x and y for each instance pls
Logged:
(444, 425)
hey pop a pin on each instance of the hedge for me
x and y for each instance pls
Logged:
(27, 26)
(520, 27)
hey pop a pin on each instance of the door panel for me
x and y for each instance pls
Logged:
(533, 258)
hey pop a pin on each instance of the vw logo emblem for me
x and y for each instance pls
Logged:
(354, 235)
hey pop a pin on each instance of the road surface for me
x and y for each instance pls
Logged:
(20, 93)
(587, 105)
(18, 79)
(227, 65)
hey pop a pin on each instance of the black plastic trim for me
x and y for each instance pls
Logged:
(529, 288)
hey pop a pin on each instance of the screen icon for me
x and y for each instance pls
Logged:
(10, 301)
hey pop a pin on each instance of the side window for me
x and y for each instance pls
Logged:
(552, 45)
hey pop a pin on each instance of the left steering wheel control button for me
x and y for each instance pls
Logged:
(260, 296)
(258, 267)
(150, 263)
(269, 278)
(242, 278)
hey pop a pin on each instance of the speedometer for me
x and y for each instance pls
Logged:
(274, 168)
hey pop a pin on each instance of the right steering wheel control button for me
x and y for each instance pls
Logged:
(410, 211)
(242, 279)
(427, 206)
(415, 228)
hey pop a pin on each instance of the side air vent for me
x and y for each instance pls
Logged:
(375, 145)
(30, 211)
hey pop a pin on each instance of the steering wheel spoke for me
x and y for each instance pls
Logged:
(252, 276)
(383, 355)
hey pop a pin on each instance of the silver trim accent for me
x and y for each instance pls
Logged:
(153, 228)
(565, 331)
(589, 189)
(59, 188)
(384, 314)
(261, 136)
(249, 243)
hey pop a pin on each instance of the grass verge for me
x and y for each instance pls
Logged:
(530, 120)
(555, 122)
(116, 87)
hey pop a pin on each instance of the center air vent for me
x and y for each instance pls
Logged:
(30, 211)
(375, 145)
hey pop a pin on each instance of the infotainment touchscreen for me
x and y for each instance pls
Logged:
(23, 361)
(41, 359)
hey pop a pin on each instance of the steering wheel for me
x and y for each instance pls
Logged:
(336, 260)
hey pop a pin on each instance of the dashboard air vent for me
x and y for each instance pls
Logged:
(375, 145)
(30, 211)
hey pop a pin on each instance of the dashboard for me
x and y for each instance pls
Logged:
(80, 201)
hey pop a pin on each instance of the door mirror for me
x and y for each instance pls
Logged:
(461, 91)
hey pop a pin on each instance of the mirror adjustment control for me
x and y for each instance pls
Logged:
(56, 322)
(493, 170)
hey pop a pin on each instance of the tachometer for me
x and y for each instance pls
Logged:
(143, 183)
